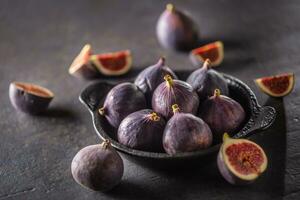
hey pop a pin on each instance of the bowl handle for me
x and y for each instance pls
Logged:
(264, 118)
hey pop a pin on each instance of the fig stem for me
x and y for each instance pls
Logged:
(105, 143)
(154, 117)
(206, 64)
(161, 61)
(169, 80)
(170, 7)
(225, 137)
(102, 111)
(217, 93)
(175, 108)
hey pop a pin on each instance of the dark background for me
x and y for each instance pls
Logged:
(39, 39)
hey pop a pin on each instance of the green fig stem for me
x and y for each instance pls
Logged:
(225, 137)
(170, 7)
(175, 108)
(105, 143)
(154, 117)
(217, 93)
(102, 111)
(169, 80)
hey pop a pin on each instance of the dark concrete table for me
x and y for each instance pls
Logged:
(39, 39)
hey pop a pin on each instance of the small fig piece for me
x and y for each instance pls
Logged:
(185, 132)
(241, 161)
(174, 92)
(142, 130)
(29, 98)
(222, 114)
(113, 63)
(176, 30)
(205, 80)
(81, 66)
(97, 167)
(213, 51)
(123, 99)
(152, 76)
(277, 86)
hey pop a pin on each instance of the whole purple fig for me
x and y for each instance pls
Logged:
(123, 99)
(142, 130)
(152, 76)
(97, 167)
(205, 80)
(222, 114)
(174, 92)
(185, 132)
(176, 30)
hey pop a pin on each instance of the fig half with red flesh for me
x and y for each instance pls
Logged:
(114, 63)
(277, 86)
(81, 66)
(241, 161)
(29, 98)
(213, 51)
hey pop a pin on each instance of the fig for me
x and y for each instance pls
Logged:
(185, 132)
(81, 66)
(241, 161)
(152, 76)
(113, 63)
(142, 130)
(98, 167)
(29, 98)
(174, 92)
(277, 86)
(222, 114)
(205, 80)
(123, 99)
(176, 30)
(213, 51)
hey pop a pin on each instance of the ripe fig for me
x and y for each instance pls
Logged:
(98, 167)
(241, 161)
(174, 92)
(152, 76)
(185, 132)
(29, 98)
(123, 99)
(142, 130)
(176, 30)
(81, 66)
(205, 80)
(222, 114)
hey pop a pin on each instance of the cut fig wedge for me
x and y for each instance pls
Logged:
(113, 64)
(241, 161)
(276, 86)
(81, 66)
(212, 51)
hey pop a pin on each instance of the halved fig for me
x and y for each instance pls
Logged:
(212, 51)
(241, 161)
(114, 63)
(277, 86)
(29, 98)
(81, 66)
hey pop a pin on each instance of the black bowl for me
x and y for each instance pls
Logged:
(258, 118)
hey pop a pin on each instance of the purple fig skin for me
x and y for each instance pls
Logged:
(151, 77)
(29, 98)
(205, 80)
(175, 30)
(185, 132)
(123, 99)
(86, 72)
(222, 114)
(142, 130)
(97, 167)
(174, 92)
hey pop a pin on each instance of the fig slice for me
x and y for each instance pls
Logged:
(113, 63)
(212, 51)
(241, 161)
(29, 98)
(81, 66)
(276, 86)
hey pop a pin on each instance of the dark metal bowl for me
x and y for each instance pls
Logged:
(258, 118)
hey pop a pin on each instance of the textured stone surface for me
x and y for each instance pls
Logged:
(39, 39)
